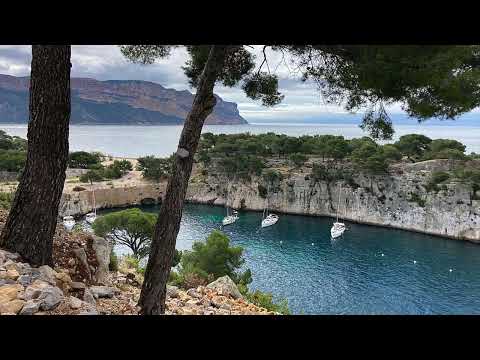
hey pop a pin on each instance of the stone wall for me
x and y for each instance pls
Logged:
(77, 203)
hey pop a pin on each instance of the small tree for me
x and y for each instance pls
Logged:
(215, 258)
(83, 159)
(123, 166)
(132, 228)
(413, 145)
(298, 159)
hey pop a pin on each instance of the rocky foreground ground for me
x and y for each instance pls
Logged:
(81, 284)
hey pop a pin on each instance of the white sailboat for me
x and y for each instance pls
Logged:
(338, 228)
(231, 217)
(68, 222)
(268, 219)
(92, 216)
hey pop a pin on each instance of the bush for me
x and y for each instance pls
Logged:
(154, 168)
(213, 259)
(265, 300)
(298, 159)
(414, 197)
(12, 160)
(84, 160)
(6, 200)
(436, 178)
(113, 265)
(92, 176)
(262, 191)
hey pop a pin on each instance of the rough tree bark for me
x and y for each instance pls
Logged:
(152, 297)
(32, 220)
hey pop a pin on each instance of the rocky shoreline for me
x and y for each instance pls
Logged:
(398, 200)
(80, 283)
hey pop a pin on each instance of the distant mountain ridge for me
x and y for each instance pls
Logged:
(120, 102)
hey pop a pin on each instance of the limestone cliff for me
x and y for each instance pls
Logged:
(378, 200)
(398, 200)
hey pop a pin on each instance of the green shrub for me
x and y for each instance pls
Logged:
(265, 300)
(298, 159)
(154, 168)
(414, 197)
(6, 200)
(262, 191)
(436, 178)
(113, 265)
(212, 259)
(12, 160)
(92, 176)
(84, 160)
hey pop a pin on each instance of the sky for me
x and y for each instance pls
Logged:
(302, 101)
(105, 62)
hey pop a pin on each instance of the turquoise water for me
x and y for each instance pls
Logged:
(348, 275)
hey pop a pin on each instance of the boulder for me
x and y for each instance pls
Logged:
(102, 253)
(194, 293)
(172, 291)
(33, 291)
(6, 282)
(3, 258)
(11, 307)
(46, 295)
(12, 274)
(64, 281)
(9, 292)
(103, 291)
(30, 307)
(47, 274)
(81, 255)
(88, 297)
(50, 298)
(75, 303)
(77, 285)
(225, 286)
(26, 280)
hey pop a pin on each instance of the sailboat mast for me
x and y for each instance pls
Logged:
(338, 204)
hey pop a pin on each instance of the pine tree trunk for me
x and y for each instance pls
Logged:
(152, 298)
(32, 219)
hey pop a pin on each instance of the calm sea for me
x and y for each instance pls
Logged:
(296, 259)
(135, 141)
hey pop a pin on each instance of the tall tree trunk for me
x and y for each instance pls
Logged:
(152, 297)
(32, 220)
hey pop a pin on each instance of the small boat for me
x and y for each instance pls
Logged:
(270, 220)
(90, 218)
(230, 219)
(338, 228)
(68, 222)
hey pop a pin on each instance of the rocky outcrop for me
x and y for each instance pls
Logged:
(399, 199)
(225, 286)
(52, 292)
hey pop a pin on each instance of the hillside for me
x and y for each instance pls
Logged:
(125, 102)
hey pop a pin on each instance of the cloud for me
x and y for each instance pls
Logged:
(105, 62)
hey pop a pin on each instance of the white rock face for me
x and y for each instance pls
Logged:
(376, 200)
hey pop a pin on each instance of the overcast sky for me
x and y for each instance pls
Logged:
(105, 62)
